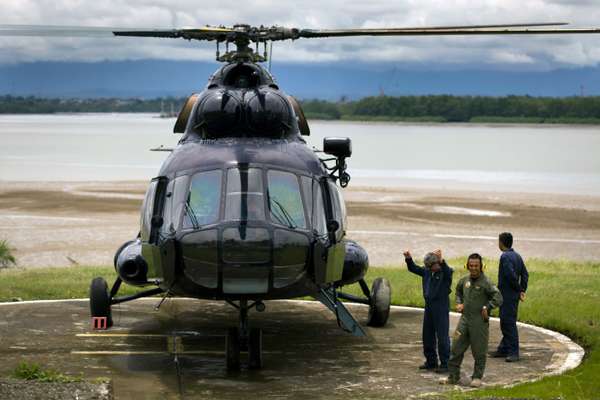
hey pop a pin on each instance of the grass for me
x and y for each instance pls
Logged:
(563, 296)
(34, 372)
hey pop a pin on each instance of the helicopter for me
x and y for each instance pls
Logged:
(242, 209)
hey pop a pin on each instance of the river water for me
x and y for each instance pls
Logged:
(529, 158)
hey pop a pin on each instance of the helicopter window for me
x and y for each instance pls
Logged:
(245, 200)
(319, 219)
(179, 202)
(147, 209)
(339, 209)
(204, 199)
(285, 201)
(167, 225)
(307, 191)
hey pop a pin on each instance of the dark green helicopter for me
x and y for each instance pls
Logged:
(242, 210)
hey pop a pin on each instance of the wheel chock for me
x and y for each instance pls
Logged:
(100, 323)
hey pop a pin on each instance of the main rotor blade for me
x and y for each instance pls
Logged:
(523, 25)
(309, 33)
(53, 30)
(207, 33)
(203, 33)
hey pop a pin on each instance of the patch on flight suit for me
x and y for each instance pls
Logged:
(468, 284)
(477, 287)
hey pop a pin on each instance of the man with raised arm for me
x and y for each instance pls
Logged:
(437, 282)
(476, 296)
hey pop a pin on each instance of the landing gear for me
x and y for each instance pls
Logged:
(100, 300)
(244, 339)
(378, 298)
(232, 349)
(379, 306)
(255, 348)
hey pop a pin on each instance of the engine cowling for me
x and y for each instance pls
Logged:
(356, 263)
(130, 265)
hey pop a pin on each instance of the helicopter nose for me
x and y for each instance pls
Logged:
(252, 259)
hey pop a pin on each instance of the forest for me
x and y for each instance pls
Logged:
(433, 108)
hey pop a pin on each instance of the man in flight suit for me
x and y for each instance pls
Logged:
(512, 282)
(476, 296)
(437, 283)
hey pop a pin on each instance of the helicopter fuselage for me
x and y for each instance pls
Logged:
(243, 214)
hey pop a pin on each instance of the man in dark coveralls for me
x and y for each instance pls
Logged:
(437, 283)
(476, 296)
(512, 282)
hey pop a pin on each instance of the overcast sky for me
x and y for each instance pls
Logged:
(508, 52)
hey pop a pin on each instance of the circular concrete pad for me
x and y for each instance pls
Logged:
(178, 351)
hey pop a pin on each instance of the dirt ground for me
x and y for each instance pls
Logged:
(59, 223)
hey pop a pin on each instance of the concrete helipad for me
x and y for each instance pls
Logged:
(178, 351)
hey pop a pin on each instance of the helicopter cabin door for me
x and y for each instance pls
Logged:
(158, 249)
(329, 255)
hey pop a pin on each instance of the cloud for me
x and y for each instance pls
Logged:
(537, 52)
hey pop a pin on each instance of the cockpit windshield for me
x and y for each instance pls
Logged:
(285, 200)
(251, 194)
(204, 199)
(245, 200)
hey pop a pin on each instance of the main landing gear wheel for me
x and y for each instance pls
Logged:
(255, 348)
(235, 344)
(100, 300)
(381, 298)
(232, 349)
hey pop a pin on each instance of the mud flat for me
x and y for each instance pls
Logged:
(59, 223)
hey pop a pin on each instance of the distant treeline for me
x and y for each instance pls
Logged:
(439, 108)
(445, 108)
(38, 105)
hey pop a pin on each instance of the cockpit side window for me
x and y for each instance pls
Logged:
(147, 209)
(285, 200)
(245, 199)
(315, 209)
(339, 209)
(307, 191)
(204, 199)
(319, 218)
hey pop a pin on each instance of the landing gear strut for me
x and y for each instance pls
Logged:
(244, 339)
(378, 298)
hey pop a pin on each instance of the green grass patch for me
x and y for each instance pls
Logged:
(34, 372)
(54, 283)
(563, 296)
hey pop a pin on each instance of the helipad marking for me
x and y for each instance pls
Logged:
(125, 334)
(148, 335)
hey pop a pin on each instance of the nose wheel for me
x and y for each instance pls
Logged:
(244, 339)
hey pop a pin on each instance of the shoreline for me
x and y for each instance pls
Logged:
(510, 121)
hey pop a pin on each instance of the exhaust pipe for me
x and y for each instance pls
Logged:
(130, 265)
